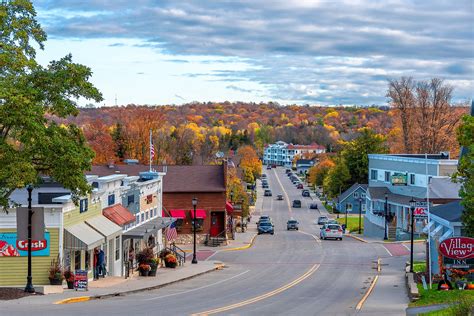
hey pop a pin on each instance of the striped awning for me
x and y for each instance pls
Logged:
(82, 237)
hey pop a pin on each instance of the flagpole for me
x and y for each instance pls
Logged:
(150, 149)
(428, 211)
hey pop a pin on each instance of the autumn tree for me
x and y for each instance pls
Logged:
(32, 99)
(249, 163)
(337, 179)
(318, 172)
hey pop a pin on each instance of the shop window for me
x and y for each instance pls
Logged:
(143, 217)
(387, 176)
(83, 205)
(130, 199)
(199, 224)
(146, 214)
(149, 198)
(412, 179)
(179, 224)
(373, 174)
(77, 260)
(117, 248)
(151, 241)
(111, 199)
(88, 260)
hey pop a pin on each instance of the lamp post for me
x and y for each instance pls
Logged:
(231, 215)
(412, 209)
(195, 202)
(385, 236)
(29, 283)
(346, 216)
(242, 217)
(360, 214)
(338, 208)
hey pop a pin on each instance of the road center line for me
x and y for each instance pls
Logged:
(263, 296)
(284, 192)
(198, 288)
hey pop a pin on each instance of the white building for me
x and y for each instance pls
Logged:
(283, 154)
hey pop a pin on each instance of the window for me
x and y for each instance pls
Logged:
(362, 195)
(373, 174)
(199, 224)
(111, 199)
(356, 195)
(146, 214)
(77, 260)
(143, 217)
(387, 176)
(348, 206)
(138, 219)
(83, 205)
(412, 179)
(95, 185)
(130, 199)
(149, 198)
(88, 260)
(117, 248)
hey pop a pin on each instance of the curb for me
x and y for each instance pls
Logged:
(357, 238)
(218, 266)
(243, 247)
(385, 242)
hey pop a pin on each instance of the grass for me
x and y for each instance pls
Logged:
(462, 307)
(419, 266)
(352, 223)
(433, 296)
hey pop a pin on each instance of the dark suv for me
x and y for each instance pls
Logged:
(267, 192)
(305, 193)
(292, 224)
(296, 203)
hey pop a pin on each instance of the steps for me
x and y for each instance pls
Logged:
(392, 233)
(215, 241)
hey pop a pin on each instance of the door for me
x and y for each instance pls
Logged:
(217, 223)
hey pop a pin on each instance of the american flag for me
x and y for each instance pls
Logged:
(171, 232)
(152, 150)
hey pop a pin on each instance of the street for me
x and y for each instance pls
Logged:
(290, 272)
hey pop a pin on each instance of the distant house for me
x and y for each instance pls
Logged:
(303, 165)
(283, 154)
(349, 199)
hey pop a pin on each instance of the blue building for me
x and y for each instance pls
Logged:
(349, 199)
(303, 165)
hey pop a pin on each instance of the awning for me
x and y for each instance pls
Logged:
(199, 214)
(82, 236)
(118, 214)
(104, 226)
(229, 207)
(146, 228)
(178, 213)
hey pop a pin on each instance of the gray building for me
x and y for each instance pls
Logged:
(349, 199)
(395, 179)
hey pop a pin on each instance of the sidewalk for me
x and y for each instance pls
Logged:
(116, 286)
(375, 240)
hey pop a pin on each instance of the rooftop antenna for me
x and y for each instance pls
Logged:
(115, 99)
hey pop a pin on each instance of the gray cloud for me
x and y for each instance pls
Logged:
(307, 51)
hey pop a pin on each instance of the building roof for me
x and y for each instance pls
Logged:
(378, 193)
(349, 191)
(444, 188)
(312, 146)
(450, 211)
(118, 214)
(304, 162)
(197, 178)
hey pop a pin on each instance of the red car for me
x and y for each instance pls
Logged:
(274, 166)
(299, 186)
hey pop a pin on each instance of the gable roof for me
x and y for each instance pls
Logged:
(450, 211)
(196, 178)
(349, 191)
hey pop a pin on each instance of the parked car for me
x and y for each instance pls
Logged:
(292, 224)
(332, 221)
(299, 186)
(269, 167)
(313, 206)
(287, 171)
(296, 203)
(280, 197)
(331, 231)
(274, 166)
(265, 186)
(264, 181)
(322, 220)
(264, 218)
(264, 176)
(267, 192)
(305, 193)
(265, 227)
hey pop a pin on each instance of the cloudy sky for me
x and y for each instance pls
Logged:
(289, 51)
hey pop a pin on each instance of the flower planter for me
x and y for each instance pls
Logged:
(170, 264)
(152, 272)
(55, 281)
(70, 285)
(144, 272)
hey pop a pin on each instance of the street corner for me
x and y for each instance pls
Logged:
(72, 300)
(357, 238)
(248, 245)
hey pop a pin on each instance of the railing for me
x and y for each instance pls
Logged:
(178, 251)
(215, 241)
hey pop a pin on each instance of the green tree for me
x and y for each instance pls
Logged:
(119, 139)
(337, 179)
(33, 98)
(356, 153)
(466, 172)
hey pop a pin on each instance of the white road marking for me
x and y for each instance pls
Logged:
(198, 288)
(404, 245)
(284, 192)
(387, 251)
(314, 236)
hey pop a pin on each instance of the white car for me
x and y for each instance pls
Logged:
(331, 231)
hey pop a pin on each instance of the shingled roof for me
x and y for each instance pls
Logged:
(198, 178)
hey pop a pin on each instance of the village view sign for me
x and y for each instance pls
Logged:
(458, 248)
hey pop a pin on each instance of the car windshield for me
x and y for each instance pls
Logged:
(264, 217)
(292, 222)
(266, 223)
(323, 218)
(333, 226)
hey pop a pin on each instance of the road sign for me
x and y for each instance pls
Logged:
(37, 223)
(81, 280)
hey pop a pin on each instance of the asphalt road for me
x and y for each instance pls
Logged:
(289, 273)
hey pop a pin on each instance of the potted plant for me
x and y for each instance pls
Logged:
(69, 276)
(144, 269)
(145, 256)
(153, 267)
(171, 261)
(55, 273)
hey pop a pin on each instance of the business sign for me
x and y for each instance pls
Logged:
(81, 280)
(421, 208)
(398, 179)
(458, 264)
(37, 223)
(11, 246)
(458, 248)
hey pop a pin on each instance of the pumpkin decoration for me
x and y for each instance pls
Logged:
(470, 286)
(444, 287)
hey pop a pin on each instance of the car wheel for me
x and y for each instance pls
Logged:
(272, 233)
(297, 229)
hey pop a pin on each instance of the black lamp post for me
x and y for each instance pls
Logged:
(231, 215)
(412, 209)
(338, 207)
(360, 215)
(242, 217)
(29, 283)
(346, 215)
(195, 202)
(385, 236)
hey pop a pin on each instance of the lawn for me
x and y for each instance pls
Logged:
(419, 266)
(352, 223)
(433, 296)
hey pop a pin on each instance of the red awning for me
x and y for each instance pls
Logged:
(178, 213)
(118, 214)
(228, 207)
(199, 214)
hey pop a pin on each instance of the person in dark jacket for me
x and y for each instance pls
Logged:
(101, 263)
(96, 264)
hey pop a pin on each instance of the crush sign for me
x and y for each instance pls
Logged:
(11, 246)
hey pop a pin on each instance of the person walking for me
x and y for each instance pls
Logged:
(101, 263)
(96, 264)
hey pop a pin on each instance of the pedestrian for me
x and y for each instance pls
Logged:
(101, 263)
(343, 226)
(95, 264)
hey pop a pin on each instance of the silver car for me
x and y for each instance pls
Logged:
(331, 231)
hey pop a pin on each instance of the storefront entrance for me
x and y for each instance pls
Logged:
(217, 223)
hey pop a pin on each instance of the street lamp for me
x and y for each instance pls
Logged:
(242, 217)
(231, 215)
(338, 207)
(29, 283)
(412, 209)
(360, 214)
(195, 202)
(346, 217)
(385, 237)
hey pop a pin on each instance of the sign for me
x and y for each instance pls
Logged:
(80, 280)
(398, 179)
(458, 264)
(421, 208)
(458, 248)
(37, 223)
(11, 246)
